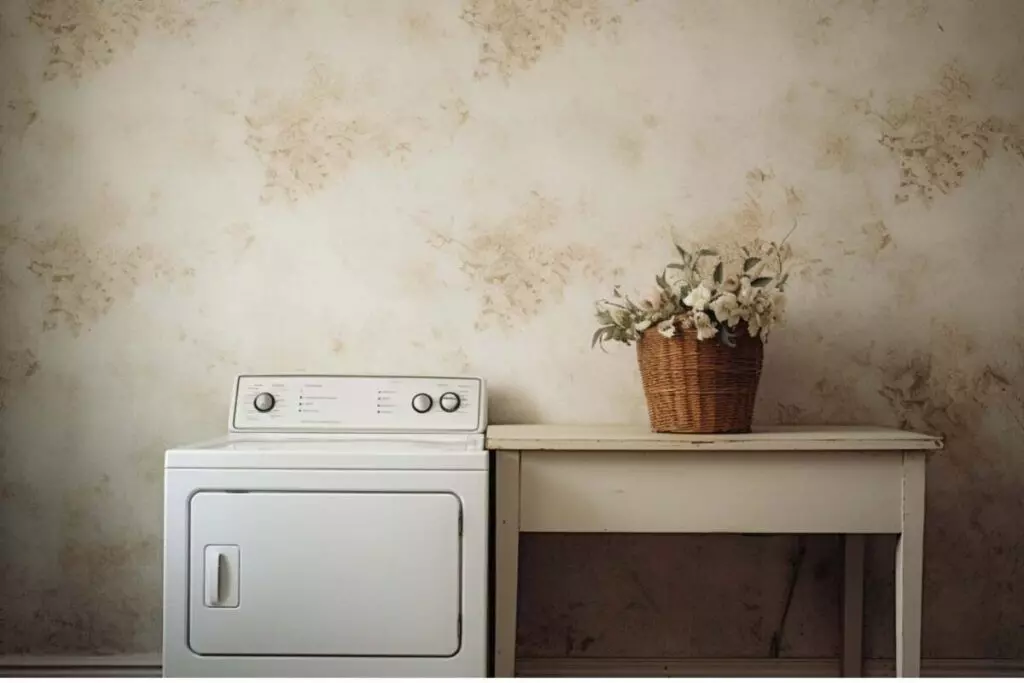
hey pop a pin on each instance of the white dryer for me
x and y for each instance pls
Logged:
(339, 529)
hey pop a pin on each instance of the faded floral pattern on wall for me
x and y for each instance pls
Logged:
(193, 189)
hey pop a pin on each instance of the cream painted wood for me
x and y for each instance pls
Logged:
(909, 568)
(853, 605)
(640, 438)
(785, 480)
(721, 492)
(506, 562)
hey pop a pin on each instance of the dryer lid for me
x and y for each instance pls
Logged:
(332, 452)
(342, 443)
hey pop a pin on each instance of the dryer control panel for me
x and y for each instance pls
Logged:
(352, 403)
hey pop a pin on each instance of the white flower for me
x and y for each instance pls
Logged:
(759, 326)
(768, 308)
(687, 299)
(706, 329)
(761, 318)
(698, 298)
(727, 309)
(753, 325)
(746, 293)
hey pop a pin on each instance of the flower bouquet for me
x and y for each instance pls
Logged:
(700, 335)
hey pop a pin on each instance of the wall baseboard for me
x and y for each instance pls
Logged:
(585, 667)
(148, 665)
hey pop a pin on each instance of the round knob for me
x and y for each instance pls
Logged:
(421, 403)
(449, 402)
(263, 402)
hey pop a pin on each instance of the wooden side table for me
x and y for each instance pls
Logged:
(801, 480)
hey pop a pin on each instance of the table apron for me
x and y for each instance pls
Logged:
(712, 492)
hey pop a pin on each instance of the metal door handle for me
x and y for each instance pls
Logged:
(213, 578)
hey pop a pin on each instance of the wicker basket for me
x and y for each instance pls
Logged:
(699, 387)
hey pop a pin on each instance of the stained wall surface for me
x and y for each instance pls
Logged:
(193, 189)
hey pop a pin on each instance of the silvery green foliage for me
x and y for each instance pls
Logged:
(709, 291)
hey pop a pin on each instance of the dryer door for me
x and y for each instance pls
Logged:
(324, 573)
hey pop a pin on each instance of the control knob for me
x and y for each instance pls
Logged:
(449, 402)
(263, 402)
(421, 403)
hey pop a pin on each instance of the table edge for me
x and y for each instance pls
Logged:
(651, 441)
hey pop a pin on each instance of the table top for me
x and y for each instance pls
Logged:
(543, 437)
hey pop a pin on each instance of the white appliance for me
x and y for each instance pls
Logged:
(339, 529)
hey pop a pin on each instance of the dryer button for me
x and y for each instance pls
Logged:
(422, 403)
(264, 402)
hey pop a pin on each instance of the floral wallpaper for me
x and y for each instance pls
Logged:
(193, 189)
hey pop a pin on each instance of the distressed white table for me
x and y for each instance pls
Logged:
(801, 480)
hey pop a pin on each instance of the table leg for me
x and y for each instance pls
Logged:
(853, 604)
(506, 562)
(909, 566)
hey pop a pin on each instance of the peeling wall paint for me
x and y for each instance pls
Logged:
(194, 189)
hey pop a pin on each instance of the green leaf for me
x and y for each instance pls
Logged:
(750, 263)
(678, 266)
(760, 281)
(608, 333)
(706, 252)
(602, 335)
(783, 280)
(718, 274)
(616, 292)
(660, 280)
(683, 254)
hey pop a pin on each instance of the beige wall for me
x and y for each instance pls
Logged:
(190, 190)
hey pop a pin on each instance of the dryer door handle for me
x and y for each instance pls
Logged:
(220, 575)
(214, 558)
